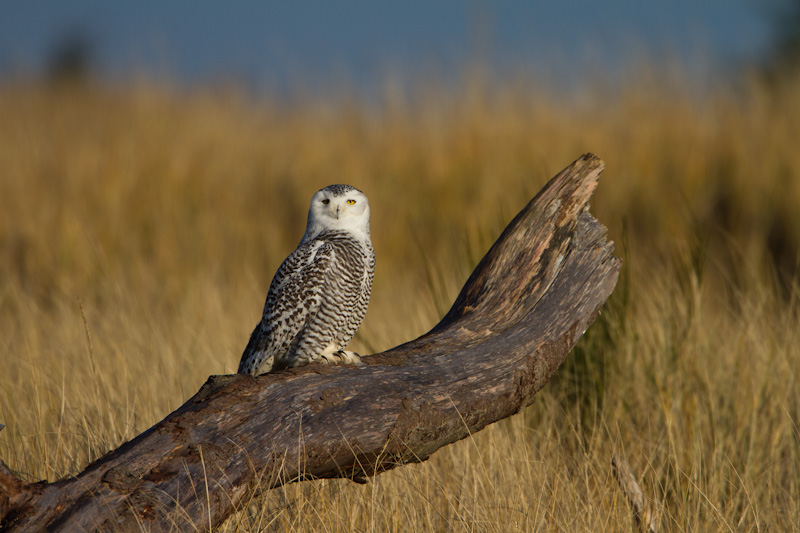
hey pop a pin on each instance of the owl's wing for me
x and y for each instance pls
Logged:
(293, 300)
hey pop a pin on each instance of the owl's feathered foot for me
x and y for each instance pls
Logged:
(349, 358)
(341, 357)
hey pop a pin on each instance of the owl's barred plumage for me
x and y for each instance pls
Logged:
(319, 295)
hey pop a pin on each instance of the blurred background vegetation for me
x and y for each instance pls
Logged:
(141, 223)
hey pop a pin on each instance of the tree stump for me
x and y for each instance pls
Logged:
(522, 310)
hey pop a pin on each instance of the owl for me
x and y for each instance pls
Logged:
(319, 295)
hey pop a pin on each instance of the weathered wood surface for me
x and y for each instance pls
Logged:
(520, 313)
(642, 513)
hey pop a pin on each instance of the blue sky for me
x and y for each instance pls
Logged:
(268, 43)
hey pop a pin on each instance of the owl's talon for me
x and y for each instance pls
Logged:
(349, 358)
(329, 358)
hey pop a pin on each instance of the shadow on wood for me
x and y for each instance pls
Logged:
(520, 313)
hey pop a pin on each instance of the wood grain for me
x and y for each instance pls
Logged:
(520, 313)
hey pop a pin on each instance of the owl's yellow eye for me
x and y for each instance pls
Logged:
(326, 201)
(351, 202)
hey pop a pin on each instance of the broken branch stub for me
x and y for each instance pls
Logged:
(520, 313)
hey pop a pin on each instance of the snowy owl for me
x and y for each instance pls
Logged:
(319, 295)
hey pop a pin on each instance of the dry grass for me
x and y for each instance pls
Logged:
(161, 216)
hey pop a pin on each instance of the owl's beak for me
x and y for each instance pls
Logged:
(337, 212)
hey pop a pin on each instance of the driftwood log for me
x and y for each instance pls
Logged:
(522, 310)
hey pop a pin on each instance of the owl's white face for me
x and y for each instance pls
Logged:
(338, 207)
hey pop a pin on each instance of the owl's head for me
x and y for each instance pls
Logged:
(338, 207)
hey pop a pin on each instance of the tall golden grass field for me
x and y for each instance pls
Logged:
(140, 226)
